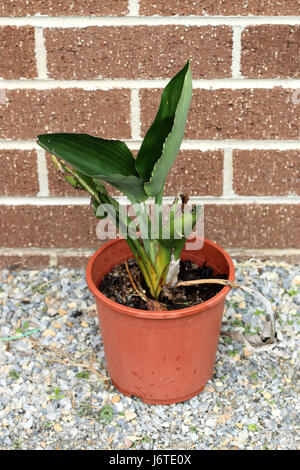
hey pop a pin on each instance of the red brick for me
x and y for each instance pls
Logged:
(63, 7)
(260, 226)
(271, 51)
(266, 172)
(17, 52)
(48, 227)
(234, 114)
(17, 262)
(138, 51)
(219, 7)
(28, 113)
(253, 225)
(18, 176)
(196, 173)
(78, 261)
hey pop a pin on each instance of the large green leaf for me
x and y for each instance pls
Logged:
(108, 160)
(162, 141)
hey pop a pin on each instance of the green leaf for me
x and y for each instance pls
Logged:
(162, 141)
(108, 160)
(131, 186)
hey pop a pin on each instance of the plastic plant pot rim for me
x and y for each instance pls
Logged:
(169, 314)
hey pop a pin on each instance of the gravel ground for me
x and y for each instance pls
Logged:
(55, 392)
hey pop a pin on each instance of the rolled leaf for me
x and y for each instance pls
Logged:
(162, 141)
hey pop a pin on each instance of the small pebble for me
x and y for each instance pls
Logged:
(57, 427)
(49, 401)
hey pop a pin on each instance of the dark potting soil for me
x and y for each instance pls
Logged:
(116, 286)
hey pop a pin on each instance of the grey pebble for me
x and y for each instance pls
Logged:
(47, 402)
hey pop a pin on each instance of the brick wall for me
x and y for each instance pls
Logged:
(99, 67)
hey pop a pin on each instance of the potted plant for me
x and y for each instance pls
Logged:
(161, 355)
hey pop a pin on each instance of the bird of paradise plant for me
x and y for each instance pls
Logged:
(86, 162)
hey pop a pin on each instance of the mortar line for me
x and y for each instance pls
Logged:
(135, 115)
(42, 173)
(197, 144)
(228, 173)
(133, 8)
(211, 200)
(40, 53)
(236, 51)
(81, 22)
(44, 251)
(108, 84)
(9, 251)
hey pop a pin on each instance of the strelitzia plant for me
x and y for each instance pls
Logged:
(87, 162)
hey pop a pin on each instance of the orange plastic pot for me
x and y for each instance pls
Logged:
(161, 357)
